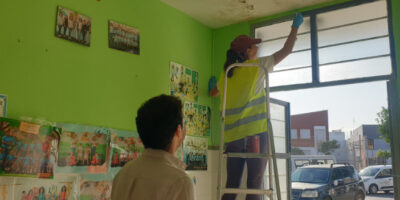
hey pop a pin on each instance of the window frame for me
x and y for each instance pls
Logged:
(315, 82)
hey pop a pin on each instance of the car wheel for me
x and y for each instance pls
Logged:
(373, 189)
(360, 196)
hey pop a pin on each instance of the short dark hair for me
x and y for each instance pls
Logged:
(157, 120)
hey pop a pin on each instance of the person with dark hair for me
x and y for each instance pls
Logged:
(157, 174)
(246, 110)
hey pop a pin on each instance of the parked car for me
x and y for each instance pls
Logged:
(377, 178)
(327, 182)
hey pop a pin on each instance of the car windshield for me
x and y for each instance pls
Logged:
(311, 175)
(369, 171)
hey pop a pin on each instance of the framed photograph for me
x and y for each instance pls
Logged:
(124, 38)
(73, 26)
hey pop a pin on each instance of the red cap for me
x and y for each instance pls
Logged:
(242, 42)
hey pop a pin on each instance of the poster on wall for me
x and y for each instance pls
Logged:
(184, 82)
(123, 37)
(95, 190)
(73, 26)
(28, 150)
(7, 188)
(84, 146)
(125, 149)
(41, 189)
(197, 119)
(3, 105)
(195, 152)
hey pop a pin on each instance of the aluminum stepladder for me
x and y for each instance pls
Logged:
(271, 156)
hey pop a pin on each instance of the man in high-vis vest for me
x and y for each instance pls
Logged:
(246, 110)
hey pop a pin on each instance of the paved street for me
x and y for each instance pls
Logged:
(380, 196)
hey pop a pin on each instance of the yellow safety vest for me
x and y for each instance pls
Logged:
(246, 112)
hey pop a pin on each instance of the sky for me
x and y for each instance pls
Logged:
(349, 106)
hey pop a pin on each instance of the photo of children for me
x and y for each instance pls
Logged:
(3, 105)
(195, 153)
(124, 149)
(197, 119)
(26, 154)
(123, 37)
(95, 190)
(39, 191)
(184, 82)
(73, 26)
(84, 146)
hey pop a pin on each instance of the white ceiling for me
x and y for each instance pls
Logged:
(219, 13)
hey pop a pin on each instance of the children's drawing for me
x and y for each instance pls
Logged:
(195, 153)
(124, 149)
(84, 146)
(27, 150)
(197, 119)
(184, 82)
(95, 190)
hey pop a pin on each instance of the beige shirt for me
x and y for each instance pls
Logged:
(155, 175)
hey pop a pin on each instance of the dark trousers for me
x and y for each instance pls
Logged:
(255, 166)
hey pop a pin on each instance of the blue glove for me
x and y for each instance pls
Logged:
(212, 83)
(297, 20)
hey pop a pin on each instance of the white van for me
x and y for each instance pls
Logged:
(377, 178)
(305, 160)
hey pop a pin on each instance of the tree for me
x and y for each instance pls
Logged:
(328, 147)
(297, 151)
(383, 154)
(383, 122)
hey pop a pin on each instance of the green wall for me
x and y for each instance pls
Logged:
(57, 80)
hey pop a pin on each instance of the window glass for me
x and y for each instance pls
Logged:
(305, 134)
(385, 173)
(293, 133)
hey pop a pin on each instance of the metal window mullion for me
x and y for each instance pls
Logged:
(314, 49)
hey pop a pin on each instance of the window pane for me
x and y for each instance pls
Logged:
(354, 50)
(270, 47)
(353, 32)
(278, 128)
(305, 134)
(351, 15)
(356, 69)
(293, 133)
(277, 112)
(290, 77)
(280, 144)
(282, 29)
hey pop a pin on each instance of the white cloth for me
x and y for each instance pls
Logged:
(155, 175)
(268, 64)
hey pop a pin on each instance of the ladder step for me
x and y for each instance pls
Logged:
(246, 155)
(246, 191)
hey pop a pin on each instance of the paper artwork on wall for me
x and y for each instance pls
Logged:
(73, 26)
(197, 119)
(3, 105)
(28, 150)
(95, 190)
(125, 149)
(41, 189)
(184, 82)
(195, 153)
(123, 37)
(84, 146)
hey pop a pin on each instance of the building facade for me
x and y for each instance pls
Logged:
(309, 130)
(364, 143)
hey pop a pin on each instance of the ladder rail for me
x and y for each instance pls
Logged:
(271, 157)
